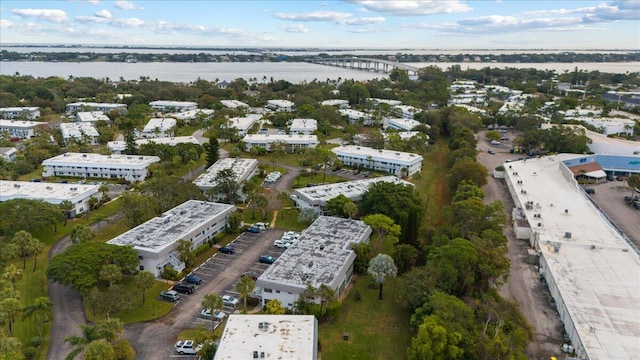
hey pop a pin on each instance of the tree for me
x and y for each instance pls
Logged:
(99, 350)
(130, 147)
(283, 196)
(12, 275)
(110, 273)
(212, 302)
(36, 247)
(235, 220)
(380, 268)
(98, 219)
(274, 307)
(227, 186)
(123, 351)
(81, 233)
(10, 348)
(326, 295)
(493, 135)
(363, 256)
(138, 208)
(185, 254)
(335, 206)
(384, 227)
(66, 207)
(105, 331)
(80, 265)
(41, 310)
(245, 287)
(434, 342)
(350, 209)
(28, 215)
(405, 257)
(467, 169)
(634, 183)
(212, 149)
(144, 282)
(261, 202)
(22, 241)
(10, 309)
(307, 216)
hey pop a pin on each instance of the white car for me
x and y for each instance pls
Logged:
(230, 301)
(187, 347)
(261, 225)
(281, 244)
(217, 314)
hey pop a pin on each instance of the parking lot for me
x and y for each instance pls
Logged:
(154, 340)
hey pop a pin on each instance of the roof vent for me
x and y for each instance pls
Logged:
(321, 247)
(310, 263)
(566, 211)
(567, 235)
(84, 155)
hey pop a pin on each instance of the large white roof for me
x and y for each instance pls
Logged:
(596, 272)
(98, 160)
(78, 130)
(352, 189)
(377, 154)
(162, 124)
(242, 169)
(24, 124)
(171, 141)
(283, 138)
(53, 193)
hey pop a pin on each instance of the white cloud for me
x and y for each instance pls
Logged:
(315, 16)
(413, 8)
(5, 23)
(126, 5)
(365, 21)
(93, 2)
(104, 13)
(53, 15)
(128, 22)
(296, 28)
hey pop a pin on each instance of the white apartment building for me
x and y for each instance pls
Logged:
(118, 147)
(322, 255)
(244, 124)
(8, 153)
(408, 111)
(80, 131)
(303, 126)
(342, 104)
(355, 116)
(243, 169)
(159, 127)
(514, 104)
(611, 126)
(173, 106)
(22, 129)
(128, 167)
(291, 142)
(403, 124)
(316, 197)
(378, 101)
(156, 240)
(234, 104)
(22, 113)
(106, 108)
(259, 336)
(281, 105)
(406, 135)
(192, 114)
(91, 116)
(394, 162)
(52, 193)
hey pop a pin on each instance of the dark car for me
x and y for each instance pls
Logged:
(253, 229)
(267, 259)
(193, 279)
(184, 288)
(590, 191)
(229, 249)
(250, 274)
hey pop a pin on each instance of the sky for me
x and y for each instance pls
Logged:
(362, 24)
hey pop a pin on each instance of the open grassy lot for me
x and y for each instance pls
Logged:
(320, 177)
(378, 329)
(431, 183)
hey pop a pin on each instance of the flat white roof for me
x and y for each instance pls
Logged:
(408, 108)
(404, 135)
(233, 104)
(170, 103)
(241, 167)
(245, 122)
(602, 144)
(353, 113)
(191, 114)
(290, 337)
(385, 101)
(54, 193)
(97, 105)
(334, 102)
(382, 154)
(319, 255)
(23, 124)
(595, 270)
(173, 225)
(19, 109)
(98, 160)
(406, 124)
(163, 124)
(284, 138)
(90, 116)
(352, 189)
(78, 130)
(171, 141)
(280, 103)
(304, 124)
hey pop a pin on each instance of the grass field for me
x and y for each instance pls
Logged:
(378, 329)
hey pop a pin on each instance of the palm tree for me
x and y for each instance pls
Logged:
(110, 273)
(80, 234)
(109, 330)
(22, 241)
(36, 247)
(634, 183)
(245, 287)
(12, 275)
(10, 308)
(283, 196)
(381, 267)
(185, 253)
(350, 209)
(41, 310)
(98, 219)
(66, 207)
(326, 295)
(212, 302)
(145, 281)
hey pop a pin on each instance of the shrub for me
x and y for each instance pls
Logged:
(332, 310)
(169, 273)
(202, 248)
(35, 341)
(500, 168)
(30, 352)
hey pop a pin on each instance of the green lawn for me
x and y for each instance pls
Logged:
(378, 329)
(431, 184)
(320, 177)
(288, 220)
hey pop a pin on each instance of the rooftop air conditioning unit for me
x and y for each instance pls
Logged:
(567, 235)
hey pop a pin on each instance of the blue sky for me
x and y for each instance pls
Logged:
(426, 24)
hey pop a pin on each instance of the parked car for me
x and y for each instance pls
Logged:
(193, 279)
(229, 249)
(590, 191)
(261, 225)
(491, 152)
(266, 259)
(184, 288)
(253, 229)
(281, 244)
(217, 315)
(230, 301)
(251, 274)
(170, 295)
(187, 347)
(495, 142)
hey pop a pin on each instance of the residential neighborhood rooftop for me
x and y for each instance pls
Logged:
(53, 192)
(242, 169)
(20, 123)
(89, 159)
(377, 153)
(354, 190)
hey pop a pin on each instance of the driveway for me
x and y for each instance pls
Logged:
(154, 339)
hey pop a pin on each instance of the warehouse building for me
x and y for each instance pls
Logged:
(128, 167)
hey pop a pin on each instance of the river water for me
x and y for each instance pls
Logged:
(293, 72)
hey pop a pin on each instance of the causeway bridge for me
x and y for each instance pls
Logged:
(366, 64)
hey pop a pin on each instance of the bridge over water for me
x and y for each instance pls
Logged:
(366, 64)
